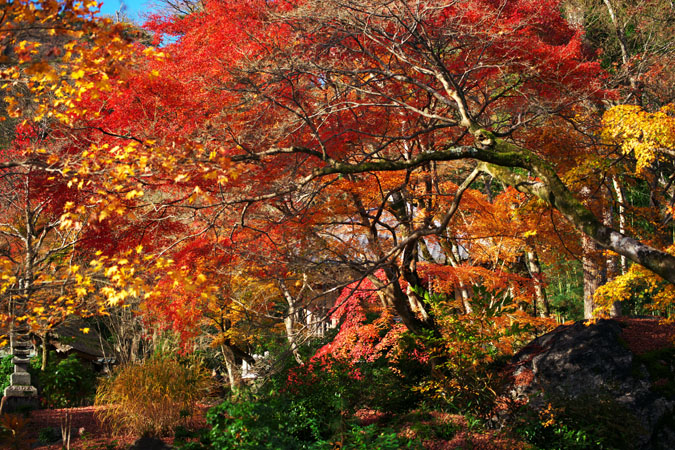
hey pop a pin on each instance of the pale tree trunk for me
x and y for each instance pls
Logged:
(620, 33)
(462, 294)
(44, 338)
(290, 322)
(133, 350)
(542, 307)
(612, 261)
(233, 369)
(621, 200)
(619, 30)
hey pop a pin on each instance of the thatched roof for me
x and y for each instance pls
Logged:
(76, 335)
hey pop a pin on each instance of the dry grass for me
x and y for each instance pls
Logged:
(151, 398)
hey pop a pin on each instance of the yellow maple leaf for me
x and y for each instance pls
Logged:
(76, 75)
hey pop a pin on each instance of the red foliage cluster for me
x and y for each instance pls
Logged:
(362, 338)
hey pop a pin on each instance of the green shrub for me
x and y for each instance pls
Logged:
(66, 382)
(283, 424)
(251, 425)
(389, 387)
(371, 437)
(309, 407)
(6, 369)
(151, 398)
(337, 388)
(560, 436)
(49, 435)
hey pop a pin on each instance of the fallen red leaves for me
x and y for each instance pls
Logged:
(646, 335)
(87, 433)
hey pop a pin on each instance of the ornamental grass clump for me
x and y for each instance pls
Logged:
(151, 398)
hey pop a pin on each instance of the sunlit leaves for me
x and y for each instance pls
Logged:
(647, 136)
(59, 62)
(638, 284)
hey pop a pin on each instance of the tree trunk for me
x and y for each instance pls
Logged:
(134, 349)
(612, 260)
(452, 254)
(593, 263)
(233, 369)
(290, 321)
(43, 366)
(534, 268)
(593, 275)
(621, 200)
(398, 300)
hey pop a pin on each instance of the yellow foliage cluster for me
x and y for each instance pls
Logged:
(88, 289)
(648, 136)
(637, 280)
(57, 55)
(55, 63)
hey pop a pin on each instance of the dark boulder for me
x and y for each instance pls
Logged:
(149, 443)
(589, 369)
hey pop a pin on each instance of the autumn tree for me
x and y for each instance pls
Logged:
(55, 58)
(362, 126)
(635, 41)
(346, 139)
